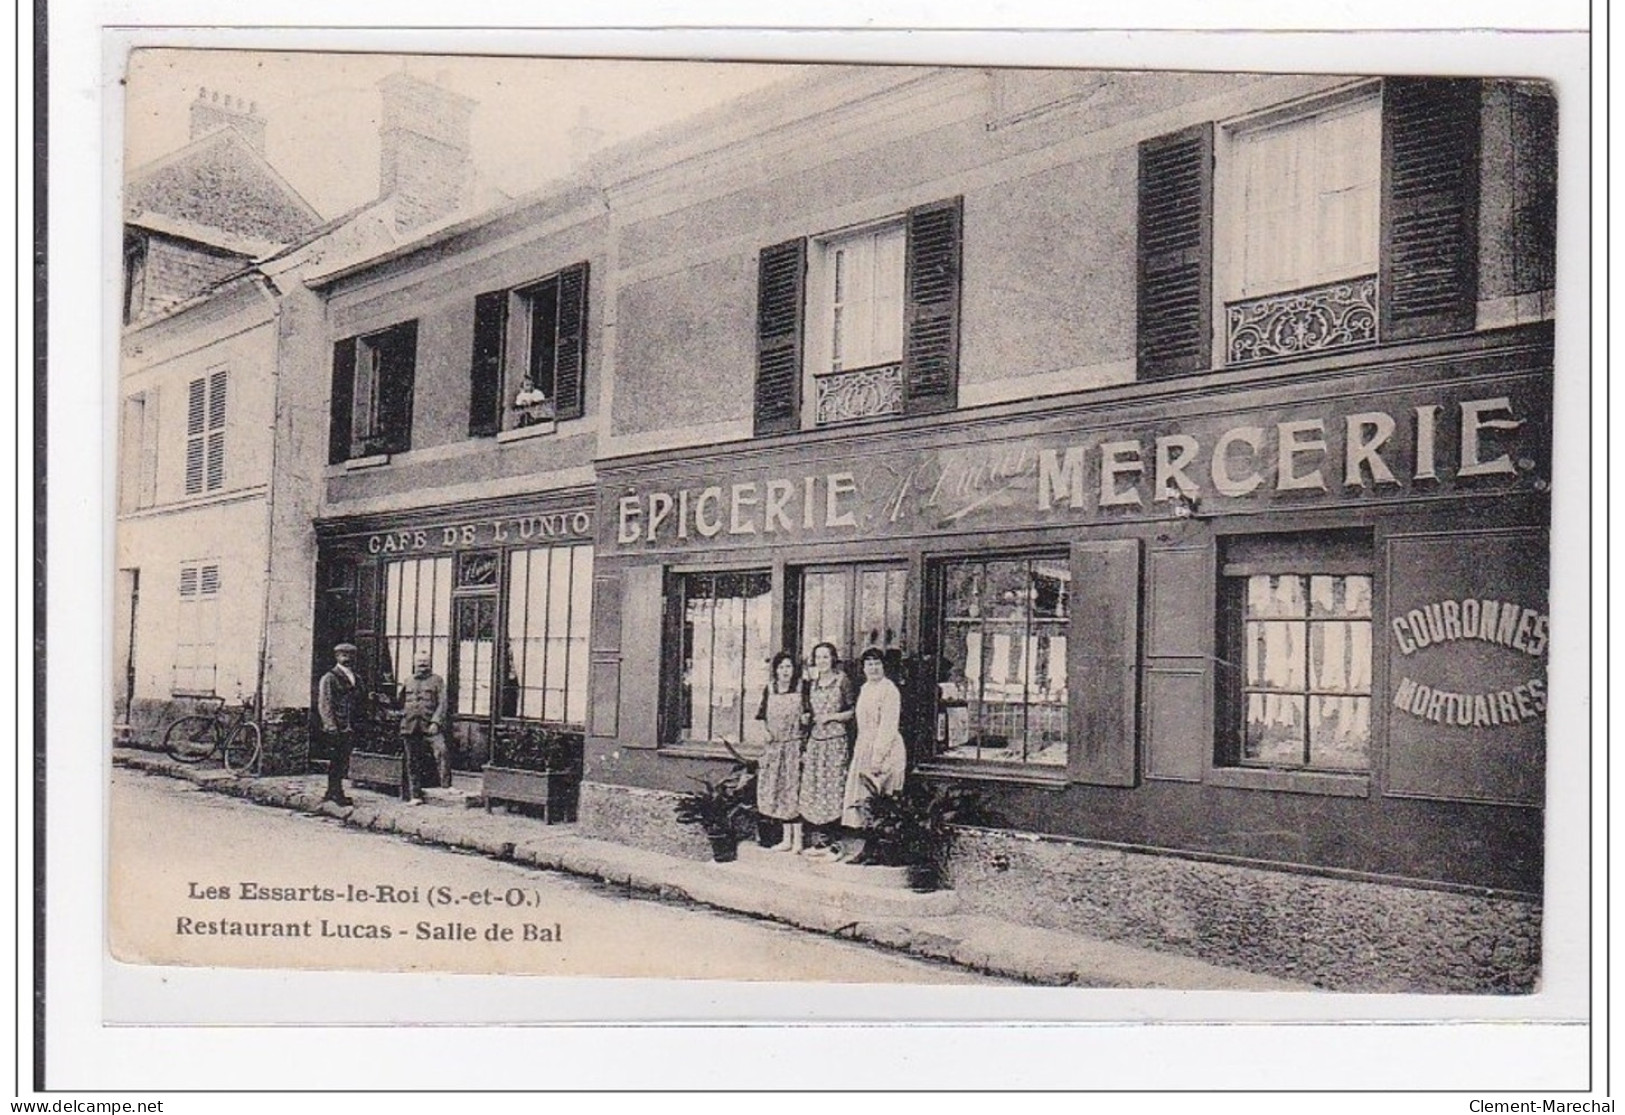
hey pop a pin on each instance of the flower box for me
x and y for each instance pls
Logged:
(375, 769)
(555, 792)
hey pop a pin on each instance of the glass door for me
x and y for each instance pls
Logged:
(854, 607)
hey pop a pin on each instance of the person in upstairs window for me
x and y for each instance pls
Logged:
(423, 729)
(337, 697)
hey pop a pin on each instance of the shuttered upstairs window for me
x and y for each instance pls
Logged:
(373, 383)
(1174, 317)
(530, 350)
(206, 434)
(1431, 139)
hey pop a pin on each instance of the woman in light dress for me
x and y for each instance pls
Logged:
(879, 759)
(786, 714)
(823, 762)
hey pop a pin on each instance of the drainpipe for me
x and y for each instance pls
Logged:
(270, 499)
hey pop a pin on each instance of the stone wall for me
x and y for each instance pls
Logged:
(1340, 934)
(641, 818)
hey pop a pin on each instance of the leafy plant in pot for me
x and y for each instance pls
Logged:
(913, 827)
(723, 809)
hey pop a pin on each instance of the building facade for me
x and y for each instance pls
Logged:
(1183, 441)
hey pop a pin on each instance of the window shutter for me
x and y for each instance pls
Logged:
(1174, 318)
(1179, 607)
(642, 625)
(781, 278)
(338, 431)
(485, 367)
(931, 324)
(196, 413)
(131, 452)
(1103, 662)
(397, 371)
(1430, 140)
(604, 669)
(570, 360)
(148, 493)
(214, 466)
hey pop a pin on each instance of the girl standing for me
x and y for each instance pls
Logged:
(879, 760)
(778, 775)
(823, 765)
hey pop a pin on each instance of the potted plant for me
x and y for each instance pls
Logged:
(723, 809)
(913, 827)
(535, 765)
(376, 760)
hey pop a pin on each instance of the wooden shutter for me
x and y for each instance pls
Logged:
(215, 453)
(485, 366)
(604, 667)
(1174, 316)
(642, 623)
(780, 290)
(570, 355)
(1430, 144)
(1103, 662)
(1179, 633)
(338, 430)
(397, 373)
(931, 321)
(196, 423)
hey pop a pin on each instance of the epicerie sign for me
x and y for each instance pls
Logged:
(1500, 622)
(484, 532)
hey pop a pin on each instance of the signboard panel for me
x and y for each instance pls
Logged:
(1467, 634)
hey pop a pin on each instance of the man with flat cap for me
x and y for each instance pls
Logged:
(423, 726)
(337, 698)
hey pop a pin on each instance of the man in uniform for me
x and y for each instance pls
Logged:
(337, 697)
(423, 727)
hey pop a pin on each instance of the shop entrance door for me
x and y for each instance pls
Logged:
(474, 628)
(854, 607)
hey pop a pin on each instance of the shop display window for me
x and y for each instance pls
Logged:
(726, 621)
(1002, 674)
(549, 612)
(1298, 649)
(417, 615)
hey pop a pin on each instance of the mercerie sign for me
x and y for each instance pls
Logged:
(1342, 450)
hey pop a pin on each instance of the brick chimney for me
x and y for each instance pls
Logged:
(214, 110)
(426, 163)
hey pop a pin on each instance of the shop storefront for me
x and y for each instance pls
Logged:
(497, 592)
(1291, 623)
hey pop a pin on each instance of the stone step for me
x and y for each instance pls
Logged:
(869, 891)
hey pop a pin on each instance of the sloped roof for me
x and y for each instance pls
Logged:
(219, 181)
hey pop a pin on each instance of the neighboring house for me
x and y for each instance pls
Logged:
(220, 439)
(1182, 439)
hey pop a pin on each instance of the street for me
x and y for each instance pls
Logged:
(199, 878)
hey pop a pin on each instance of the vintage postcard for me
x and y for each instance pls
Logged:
(875, 524)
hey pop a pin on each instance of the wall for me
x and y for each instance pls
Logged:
(177, 270)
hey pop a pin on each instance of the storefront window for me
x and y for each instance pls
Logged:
(1299, 659)
(476, 654)
(726, 643)
(549, 601)
(1002, 684)
(417, 614)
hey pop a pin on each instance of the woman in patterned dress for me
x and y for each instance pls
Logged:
(785, 713)
(823, 763)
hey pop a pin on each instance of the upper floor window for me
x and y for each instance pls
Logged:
(138, 451)
(862, 323)
(530, 347)
(1345, 221)
(206, 434)
(373, 378)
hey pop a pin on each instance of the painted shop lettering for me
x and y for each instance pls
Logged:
(1490, 621)
(774, 506)
(1496, 709)
(523, 528)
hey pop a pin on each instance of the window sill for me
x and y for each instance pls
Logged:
(982, 772)
(356, 464)
(524, 433)
(1291, 781)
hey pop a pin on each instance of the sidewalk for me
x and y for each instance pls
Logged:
(835, 900)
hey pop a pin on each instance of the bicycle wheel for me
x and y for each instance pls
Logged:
(242, 751)
(191, 739)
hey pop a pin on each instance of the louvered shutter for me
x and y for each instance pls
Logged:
(338, 432)
(781, 279)
(1430, 140)
(196, 418)
(485, 367)
(570, 360)
(214, 467)
(1174, 318)
(397, 372)
(931, 324)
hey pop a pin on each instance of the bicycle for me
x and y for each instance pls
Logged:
(237, 736)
